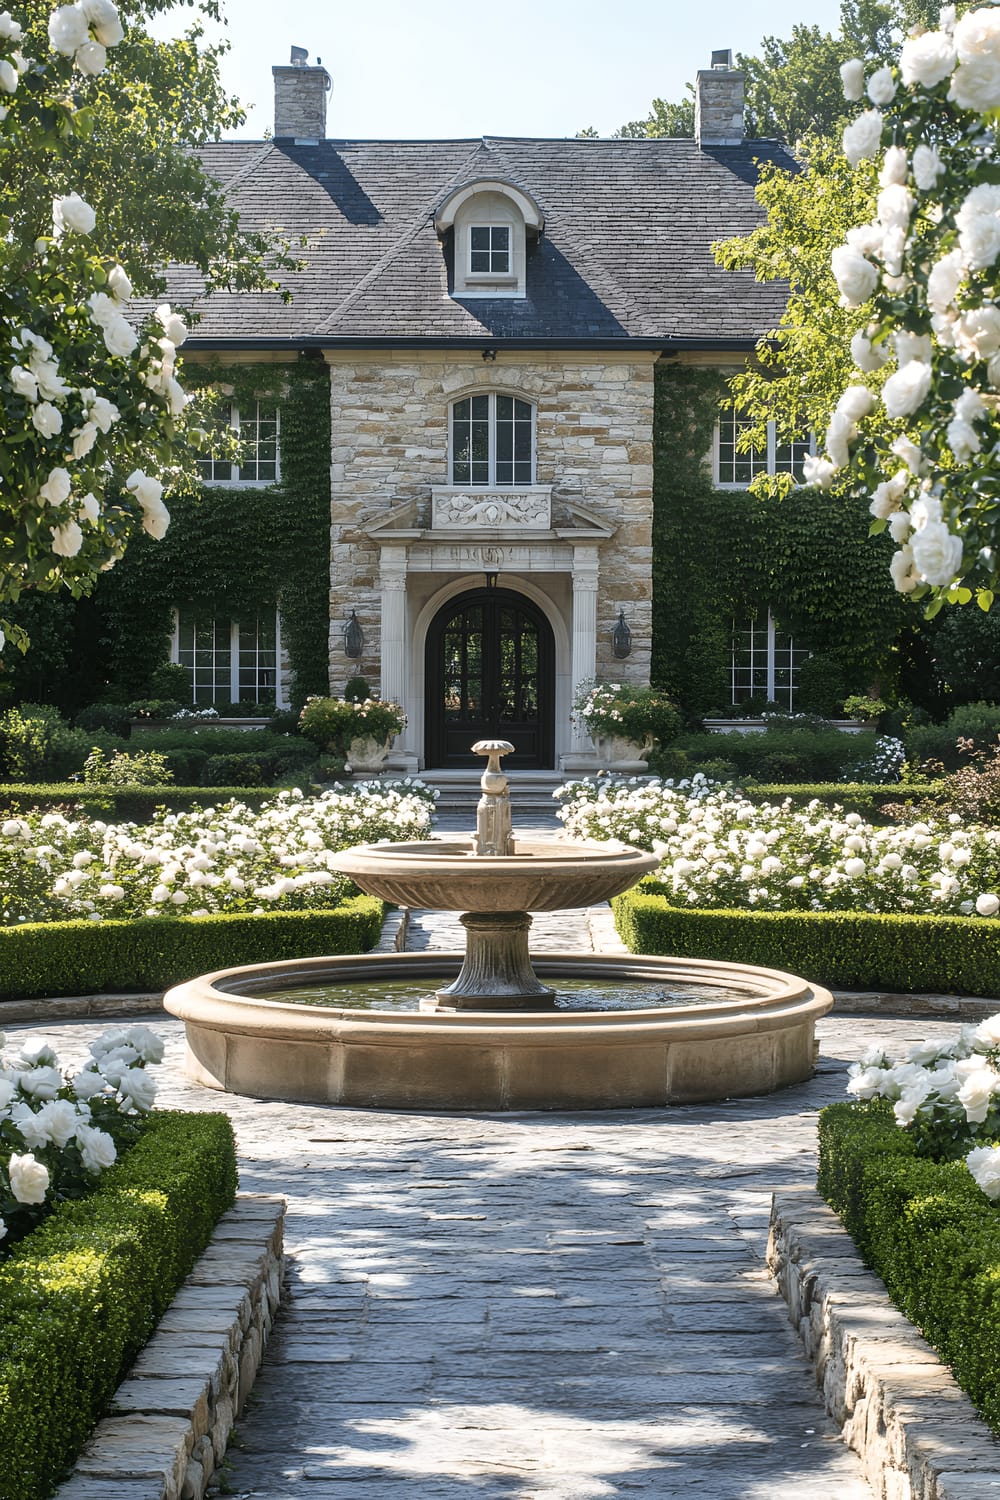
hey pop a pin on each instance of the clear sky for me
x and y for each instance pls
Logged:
(448, 68)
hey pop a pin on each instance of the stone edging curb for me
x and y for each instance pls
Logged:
(916, 1432)
(172, 1415)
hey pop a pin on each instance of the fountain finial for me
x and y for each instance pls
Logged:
(493, 823)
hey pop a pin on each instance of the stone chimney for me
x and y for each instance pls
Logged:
(718, 103)
(300, 98)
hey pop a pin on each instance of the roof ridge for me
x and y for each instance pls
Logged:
(255, 161)
(408, 235)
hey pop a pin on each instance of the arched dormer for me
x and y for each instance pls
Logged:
(491, 220)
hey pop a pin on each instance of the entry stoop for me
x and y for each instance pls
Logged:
(530, 791)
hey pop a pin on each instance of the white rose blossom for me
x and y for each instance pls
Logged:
(903, 571)
(8, 76)
(975, 83)
(894, 167)
(984, 1164)
(24, 383)
(68, 29)
(56, 488)
(937, 554)
(121, 286)
(881, 87)
(927, 167)
(46, 419)
(104, 21)
(852, 76)
(863, 137)
(67, 539)
(855, 276)
(944, 281)
(978, 222)
(907, 390)
(927, 59)
(29, 1178)
(71, 212)
(91, 58)
(866, 355)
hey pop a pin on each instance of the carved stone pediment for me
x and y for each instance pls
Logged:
(454, 508)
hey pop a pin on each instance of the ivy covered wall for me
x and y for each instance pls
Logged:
(239, 548)
(718, 554)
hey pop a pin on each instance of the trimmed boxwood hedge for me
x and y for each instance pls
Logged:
(82, 958)
(928, 1231)
(842, 949)
(125, 804)
(80, 1296)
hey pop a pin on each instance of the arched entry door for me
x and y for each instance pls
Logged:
(490, 675)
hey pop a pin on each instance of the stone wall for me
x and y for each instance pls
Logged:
(594, 447)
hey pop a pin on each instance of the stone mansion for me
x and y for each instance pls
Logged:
(490, 313)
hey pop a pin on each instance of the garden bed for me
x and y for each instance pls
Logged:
(84, 957)
(82, 1293)
(838, 949)
(928, 1231)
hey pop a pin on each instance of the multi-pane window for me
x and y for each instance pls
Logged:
(492, 441)
(489, 249)
(765, 661)
(257, 429)
(734, 469)
(230, 661)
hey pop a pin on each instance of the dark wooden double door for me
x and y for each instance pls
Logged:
(490, 675)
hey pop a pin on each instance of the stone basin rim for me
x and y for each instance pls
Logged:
(213, 1001)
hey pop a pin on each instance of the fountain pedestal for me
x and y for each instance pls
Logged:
(497, 972)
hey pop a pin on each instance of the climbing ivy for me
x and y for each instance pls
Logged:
(242, 548)
(722, 553)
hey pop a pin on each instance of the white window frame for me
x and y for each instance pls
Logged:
(770, 631)
(770, 459)
(234, 657)
(492, 483)
(508, 277)
(236, 478)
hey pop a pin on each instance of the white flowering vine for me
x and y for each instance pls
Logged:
(925, 277)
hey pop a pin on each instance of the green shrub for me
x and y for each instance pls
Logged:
(845, 950)
(928, 1231)
(332, 723)
(36, 744)
(144, 768)
(235, 770)
(171, 680)
(866, 798)
(155, 708)
(81, 1295)
(979, 722)
(79, 958)
(115, 718)
(128, 804)
(781, 753)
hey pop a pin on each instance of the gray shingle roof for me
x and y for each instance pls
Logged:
(625, 253)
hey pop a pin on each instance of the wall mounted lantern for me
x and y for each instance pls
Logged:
(354, 636)
(621, 638)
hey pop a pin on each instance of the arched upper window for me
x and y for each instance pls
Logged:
(492, 440)
(491, 220)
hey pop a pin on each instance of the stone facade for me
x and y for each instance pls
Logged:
(300, 95)
(395, 563)
(718, 107)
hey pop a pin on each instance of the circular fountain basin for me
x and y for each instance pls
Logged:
(755, 1033)
(541, 875)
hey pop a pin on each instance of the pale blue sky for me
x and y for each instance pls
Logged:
(452, 68)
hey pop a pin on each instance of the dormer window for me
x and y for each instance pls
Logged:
(491, 222)
(489, 249)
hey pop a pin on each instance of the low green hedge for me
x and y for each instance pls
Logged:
(865, 798)
(80, 1296)
(928, 1231)
(82, 958)
(845, 950)
(125, 804)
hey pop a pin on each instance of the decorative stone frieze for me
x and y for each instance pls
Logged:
(494, 510)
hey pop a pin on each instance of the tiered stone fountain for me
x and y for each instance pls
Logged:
(496, 1036)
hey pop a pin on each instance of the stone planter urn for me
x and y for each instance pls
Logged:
(367, 754)
(617, 754)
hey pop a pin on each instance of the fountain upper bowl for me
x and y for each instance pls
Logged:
(448, 875)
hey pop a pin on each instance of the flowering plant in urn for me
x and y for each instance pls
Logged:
(334, 723)
(620, 710)
(919, 427)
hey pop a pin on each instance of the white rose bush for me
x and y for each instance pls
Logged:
(946, 1095)
(94, 418)
(227, 859)
(919, 429)
(60, 1130)
(718, 850)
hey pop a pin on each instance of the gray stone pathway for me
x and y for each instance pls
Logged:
(533, 1307)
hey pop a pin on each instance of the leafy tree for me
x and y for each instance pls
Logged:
(99, 191)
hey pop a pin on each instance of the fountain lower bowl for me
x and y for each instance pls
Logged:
(760, 1040)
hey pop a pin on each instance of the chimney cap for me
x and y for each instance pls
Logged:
(722, 58)
(300, 56)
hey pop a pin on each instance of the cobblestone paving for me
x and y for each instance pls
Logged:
(533, 1307)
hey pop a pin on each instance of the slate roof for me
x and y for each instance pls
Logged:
(625, 254)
